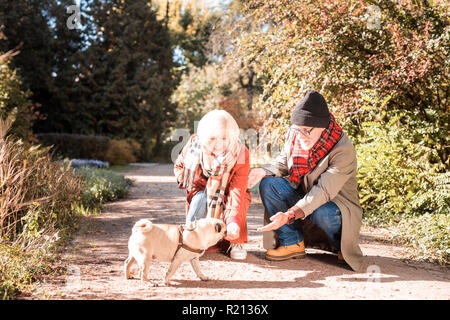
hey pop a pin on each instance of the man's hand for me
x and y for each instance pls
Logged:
(232, 231)
(255, 176)
(279, 220)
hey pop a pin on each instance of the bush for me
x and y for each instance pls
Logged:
(398, 177)
(15, 103)
(37, 197)
(121, 151)
(136, 148)
(101, 185)
(36, 193)
(40, 201)
(76, 145)
(19, 267)
(402, 182)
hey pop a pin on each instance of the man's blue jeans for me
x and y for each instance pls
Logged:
(277, 195)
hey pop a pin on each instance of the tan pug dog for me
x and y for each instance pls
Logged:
(164, 242)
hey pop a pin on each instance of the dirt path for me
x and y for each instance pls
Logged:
(95, 260)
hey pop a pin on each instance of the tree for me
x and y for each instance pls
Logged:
(48, 57)
(24, 23)
(330, 46)
(242, 76)
(126, 75)
(15, 105)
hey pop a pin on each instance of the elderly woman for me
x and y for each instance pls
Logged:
(213, 167)
(310, 190)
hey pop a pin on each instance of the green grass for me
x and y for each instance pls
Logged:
(120, 168)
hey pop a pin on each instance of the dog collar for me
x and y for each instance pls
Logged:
(183, 245)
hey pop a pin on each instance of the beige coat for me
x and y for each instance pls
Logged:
(333, 179)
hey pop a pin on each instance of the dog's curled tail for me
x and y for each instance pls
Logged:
(143, 225)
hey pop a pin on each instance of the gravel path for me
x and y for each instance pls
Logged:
(95, 260)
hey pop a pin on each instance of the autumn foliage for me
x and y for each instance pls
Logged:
(383, 68)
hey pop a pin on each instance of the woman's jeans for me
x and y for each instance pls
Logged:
(197, 207)
(277, 195)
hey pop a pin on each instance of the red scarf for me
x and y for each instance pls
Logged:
(301, 161)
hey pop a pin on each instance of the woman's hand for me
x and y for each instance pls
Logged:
(278, 220)
(255, 176)
(232, 231)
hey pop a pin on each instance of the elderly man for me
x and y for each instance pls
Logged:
(310, 190)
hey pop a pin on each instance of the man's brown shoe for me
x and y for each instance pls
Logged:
(286, 252)
(340, 258)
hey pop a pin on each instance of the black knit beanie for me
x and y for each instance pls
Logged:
(311, 111)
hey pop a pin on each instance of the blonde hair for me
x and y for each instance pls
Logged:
(215, 122)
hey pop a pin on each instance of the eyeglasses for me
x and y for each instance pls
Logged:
(305, 132)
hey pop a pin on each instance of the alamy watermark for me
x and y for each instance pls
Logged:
(262, 145)
(373, 17)
(374, 272)
(74, 21)
(73, 279)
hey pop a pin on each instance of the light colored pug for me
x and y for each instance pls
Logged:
(172, 243)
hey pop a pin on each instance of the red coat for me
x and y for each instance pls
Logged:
(237, 196)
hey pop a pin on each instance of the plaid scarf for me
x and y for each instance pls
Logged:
(216, 169)
(300, 161)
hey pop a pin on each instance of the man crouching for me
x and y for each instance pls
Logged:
(317, 204)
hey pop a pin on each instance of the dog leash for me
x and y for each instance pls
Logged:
(183, 245)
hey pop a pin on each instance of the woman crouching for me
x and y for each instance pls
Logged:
(213, 167)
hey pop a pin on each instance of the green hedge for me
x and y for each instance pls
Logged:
(77, 146)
